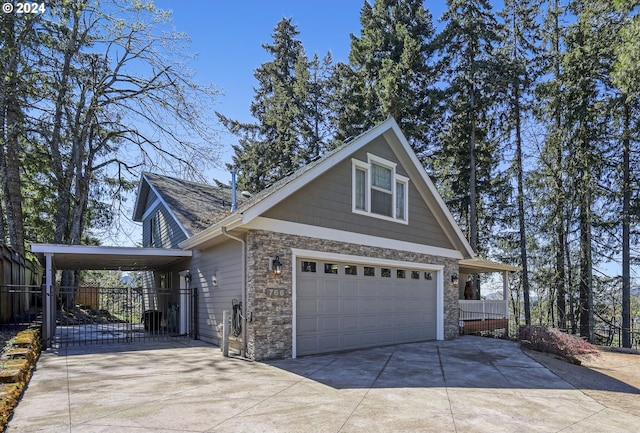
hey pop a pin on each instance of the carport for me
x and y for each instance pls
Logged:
(84, 257)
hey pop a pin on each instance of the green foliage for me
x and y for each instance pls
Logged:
(627, 50)
(389, 73)
(291, 110)
(466, 162)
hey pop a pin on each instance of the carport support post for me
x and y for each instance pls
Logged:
(50, 314)
(185, 304)
(225, 333)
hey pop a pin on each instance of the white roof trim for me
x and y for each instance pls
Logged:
(297, 229)
(166, 206)
(327, 163)
(212, 232)
(108, 250)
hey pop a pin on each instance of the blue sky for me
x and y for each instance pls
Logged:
(228, 36)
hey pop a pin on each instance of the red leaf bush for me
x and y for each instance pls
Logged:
(552, 340)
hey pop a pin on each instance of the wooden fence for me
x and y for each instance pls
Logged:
(16, 270)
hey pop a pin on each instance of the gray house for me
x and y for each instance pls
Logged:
(355, 250)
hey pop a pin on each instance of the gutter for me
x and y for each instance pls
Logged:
(223, 229)
(212, 232)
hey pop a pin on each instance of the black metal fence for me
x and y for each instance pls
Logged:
(103, 315)
(611, 335)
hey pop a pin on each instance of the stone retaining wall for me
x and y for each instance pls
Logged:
(16, 365)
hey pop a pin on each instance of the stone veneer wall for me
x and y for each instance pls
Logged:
(269, 334)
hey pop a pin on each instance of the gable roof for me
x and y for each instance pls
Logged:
(194, 206)
(269, 197)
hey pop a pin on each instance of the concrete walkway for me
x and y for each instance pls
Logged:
(471, 384)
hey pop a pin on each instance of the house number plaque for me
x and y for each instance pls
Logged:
(276, 292)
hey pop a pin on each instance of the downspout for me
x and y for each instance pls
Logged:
(244, 289)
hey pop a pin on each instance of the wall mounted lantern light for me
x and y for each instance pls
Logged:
(214, 279)
(188, 277)
(454, 278)
(274, 265)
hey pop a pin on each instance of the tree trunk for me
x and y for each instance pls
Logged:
(626, 225)
(9, 151)
(521, 216)
(586, 262)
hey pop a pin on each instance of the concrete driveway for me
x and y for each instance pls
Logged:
(471, 384)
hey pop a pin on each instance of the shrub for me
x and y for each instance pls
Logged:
(552, 340)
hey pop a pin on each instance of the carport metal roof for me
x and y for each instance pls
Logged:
(101, 257)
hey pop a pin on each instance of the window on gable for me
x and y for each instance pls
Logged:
(378, 190)
(360, 189)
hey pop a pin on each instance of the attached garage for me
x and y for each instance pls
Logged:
(346, 303)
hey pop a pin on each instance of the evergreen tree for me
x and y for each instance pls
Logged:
(587, 65)
(628, 50)
(467, 161)
(389, 73)
(289, 110)
(553, 205)
(17, 87)
(521, 51)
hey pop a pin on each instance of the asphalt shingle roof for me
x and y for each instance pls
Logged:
(196, 205)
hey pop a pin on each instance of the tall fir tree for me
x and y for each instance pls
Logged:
(289, 111)
(550, 174)
(467, 161)
(586, 71)
(521, 36)
(389, 73)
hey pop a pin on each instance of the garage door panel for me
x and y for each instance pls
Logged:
(307, 306)
(355, 311)
(368, 305)
(349, 322)
(307, 325)
(328, 324)
(349, 287)
(329, 288)
(329, 305)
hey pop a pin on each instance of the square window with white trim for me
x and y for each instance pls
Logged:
(308, 266)
(378, 190)
(369, 271)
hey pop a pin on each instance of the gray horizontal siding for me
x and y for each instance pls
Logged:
(166, 231)
(326, 202)
(225, 260)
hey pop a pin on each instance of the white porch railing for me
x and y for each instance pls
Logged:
(483, 309)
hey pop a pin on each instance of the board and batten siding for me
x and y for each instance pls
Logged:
(225, 261)
(160, 230)
(327, 202)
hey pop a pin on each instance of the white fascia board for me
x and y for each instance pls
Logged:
(284, 192)
(137, 203)
(213, 231)
(108, 250)
(297, 229)
(436, 195)
(151, 209)
(166, 206)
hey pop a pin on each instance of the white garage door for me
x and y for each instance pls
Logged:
(344, 306)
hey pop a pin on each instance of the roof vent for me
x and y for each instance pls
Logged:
(246, 194)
